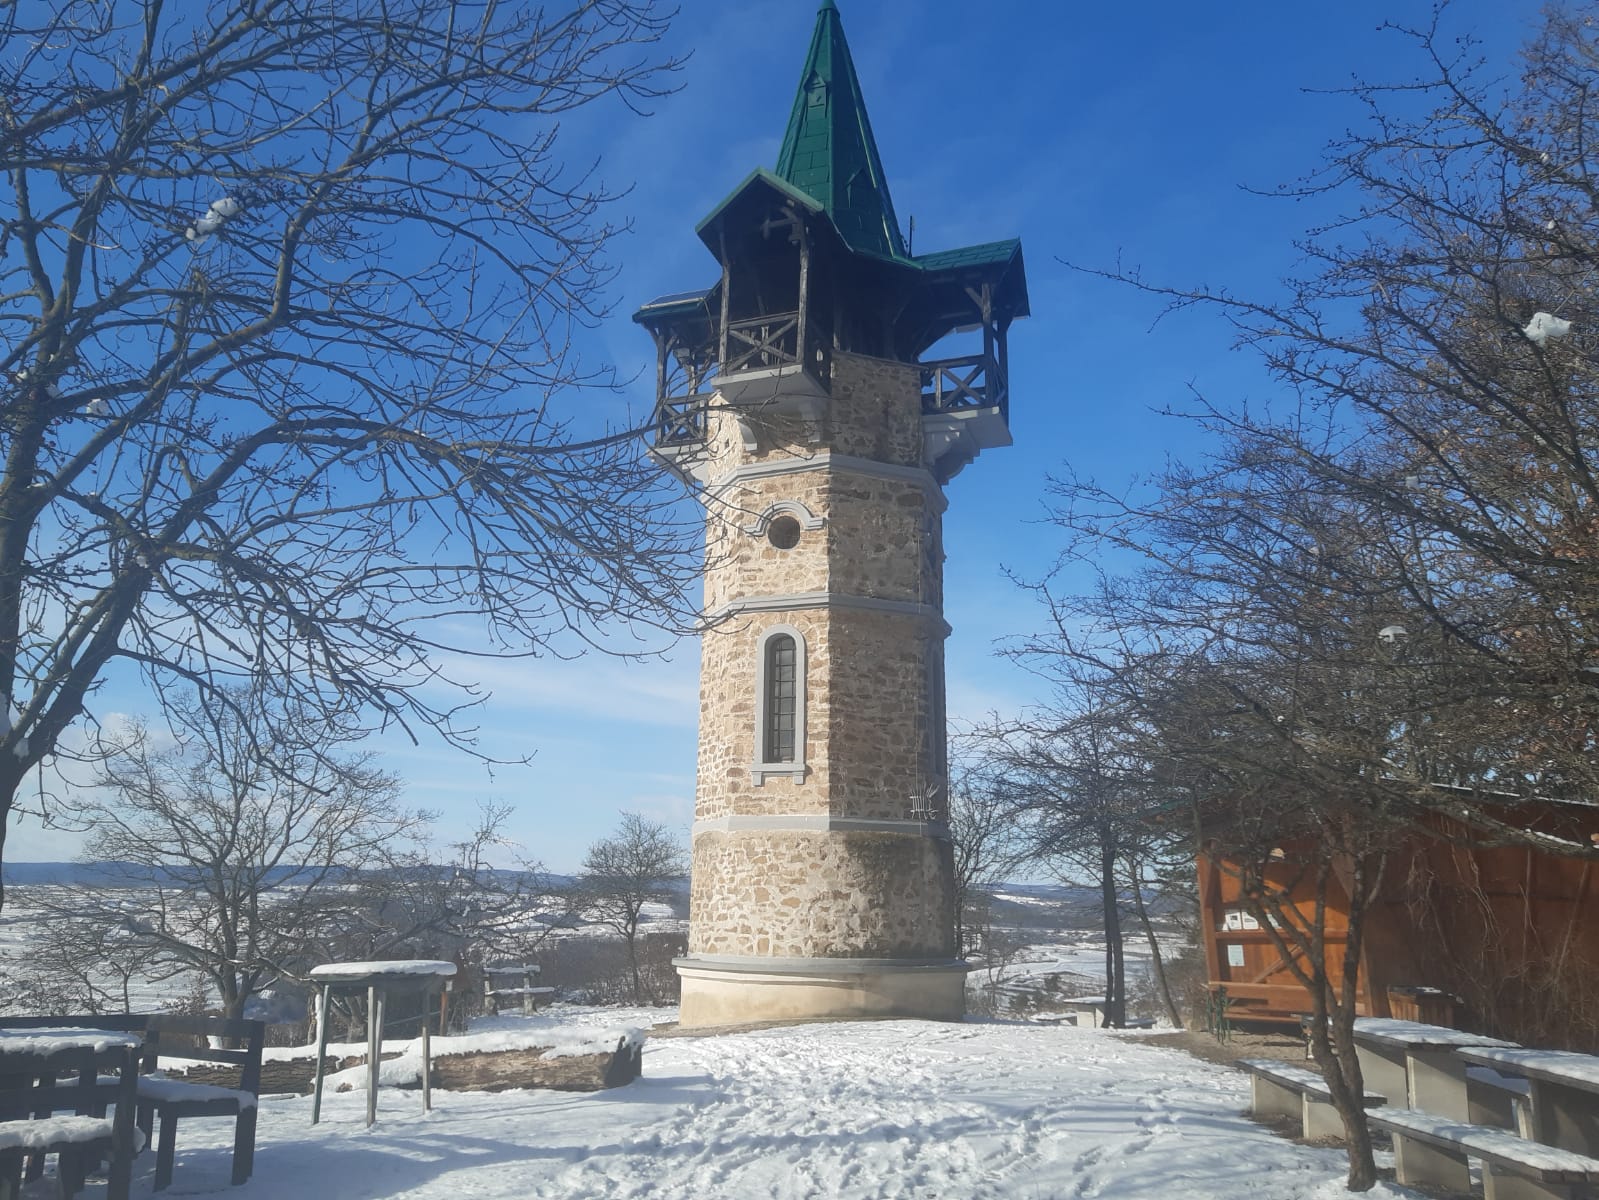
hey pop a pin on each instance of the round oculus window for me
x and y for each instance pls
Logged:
(783, 532)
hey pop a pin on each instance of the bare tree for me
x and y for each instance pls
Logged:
(1438, 351)
(1248, 672)
(288, 303)
(985, 838)
(1076, 799)
(638, 864)
(1162, 868)
(73, 962)
(1380, 602)
(241, 871)
(485, 902)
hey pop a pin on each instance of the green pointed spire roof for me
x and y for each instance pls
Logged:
(829, 152)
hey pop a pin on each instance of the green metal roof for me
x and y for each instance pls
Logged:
(988, 254)
(669, 308)
(829, 152)
(829, 167)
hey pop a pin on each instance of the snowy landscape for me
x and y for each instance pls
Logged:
(884, 1109)
(1007, 1107)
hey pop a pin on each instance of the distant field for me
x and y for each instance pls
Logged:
(1053, 937)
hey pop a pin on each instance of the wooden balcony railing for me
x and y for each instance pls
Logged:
(763, 342)
(956, 384)
(680, 420)
(772, 341)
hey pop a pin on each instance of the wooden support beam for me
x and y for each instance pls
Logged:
(727, 286)
(804, 292)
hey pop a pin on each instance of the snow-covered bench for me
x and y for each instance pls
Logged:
(77, 1142)
(519, 987)
(1280, 1089)
(1432, 1151)
(45, 1070)
(174, 1099)
(1495, 1098)
(1092, 1007)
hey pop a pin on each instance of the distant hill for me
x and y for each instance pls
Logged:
(1052, 905)
(103, 874)
(113, 874)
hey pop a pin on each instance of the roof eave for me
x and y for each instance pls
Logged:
(759, 175)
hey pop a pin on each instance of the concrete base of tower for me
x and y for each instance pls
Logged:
(738, 991)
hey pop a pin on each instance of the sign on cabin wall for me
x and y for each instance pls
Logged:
(1235, 955)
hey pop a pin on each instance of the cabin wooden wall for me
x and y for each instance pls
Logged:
(1513, 932)
(1241, 956)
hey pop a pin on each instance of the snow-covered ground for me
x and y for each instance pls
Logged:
(884, 1109)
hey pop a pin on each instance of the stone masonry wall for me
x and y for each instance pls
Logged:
(879, 751)
(876, 530)
(727, 719)
(741, 564)
(876, 410)
(804, 893)
(880, 539)
(813, 895)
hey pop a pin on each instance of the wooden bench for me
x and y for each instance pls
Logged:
(1279, 1089)
(175, 1099)
(35, 1085)
(1432, 1151)
(1078, 1007)
(519, 988)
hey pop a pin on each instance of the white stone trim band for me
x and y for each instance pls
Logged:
(821, 966)
(793, 601)
(820, 823)
(827, 460)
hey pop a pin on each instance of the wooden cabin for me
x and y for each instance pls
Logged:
(1504, 940)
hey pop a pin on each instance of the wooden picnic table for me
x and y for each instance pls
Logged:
(31, 1061)
(1565, 1092)
(378, 980)
(1415, 1065)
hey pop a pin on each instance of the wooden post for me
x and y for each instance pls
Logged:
(427, 1062)
(801, 351)
(321, 1052)
(374, 1049)
(727, 287)
(661, 351)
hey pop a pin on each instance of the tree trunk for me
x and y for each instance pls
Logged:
(1156, 962)
(1332, 1045)
(632, 962)
(1115, 968)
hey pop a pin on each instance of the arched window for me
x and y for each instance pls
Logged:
(781, 683)
(779, 704)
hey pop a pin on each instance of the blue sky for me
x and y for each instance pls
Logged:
(1093, 132)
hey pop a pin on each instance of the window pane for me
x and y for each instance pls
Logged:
(782, 691)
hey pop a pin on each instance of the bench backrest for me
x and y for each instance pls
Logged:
(163, 1028)
(510, 975)
(70, 1081)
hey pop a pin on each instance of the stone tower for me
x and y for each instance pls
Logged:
(796, 395)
